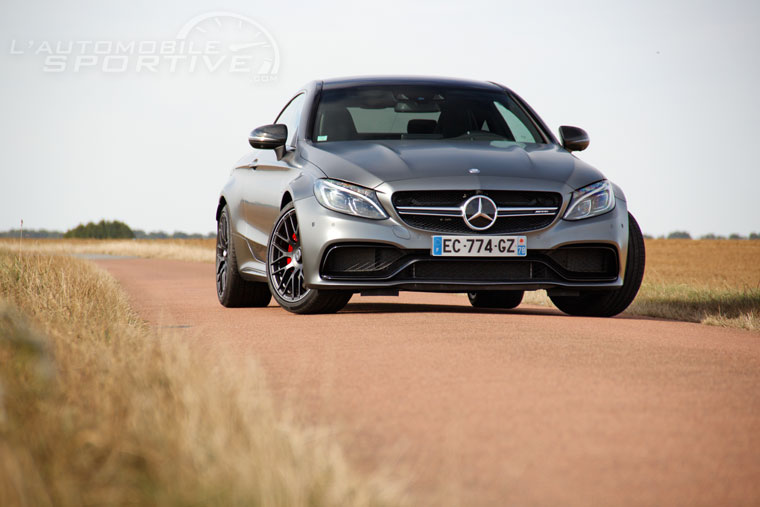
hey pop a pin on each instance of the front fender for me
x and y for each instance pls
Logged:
(303, 185)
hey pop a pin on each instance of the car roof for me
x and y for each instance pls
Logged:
(347, 82)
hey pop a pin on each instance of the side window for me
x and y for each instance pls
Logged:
(291, 116)
(519, 130)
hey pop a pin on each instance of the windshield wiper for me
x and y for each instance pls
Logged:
(481, 134)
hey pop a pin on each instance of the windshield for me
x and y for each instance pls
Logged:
(421, 112)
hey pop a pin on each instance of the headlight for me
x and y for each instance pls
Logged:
(591, 201)
(349, 199)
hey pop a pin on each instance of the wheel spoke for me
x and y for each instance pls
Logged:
(293, 226)
(283, 281)
(279, 248)
(279, 270)
(285, 226)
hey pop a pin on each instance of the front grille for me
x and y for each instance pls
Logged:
(440, 211)
(457, 197)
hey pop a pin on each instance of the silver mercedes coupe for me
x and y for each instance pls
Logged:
(376, 185)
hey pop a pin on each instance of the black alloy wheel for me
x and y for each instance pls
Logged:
(285, 263)
(231, 289)
(285, 258)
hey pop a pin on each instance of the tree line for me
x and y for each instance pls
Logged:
(105, 229)
(686, 235)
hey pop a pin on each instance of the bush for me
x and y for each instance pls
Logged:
(679, 235)
(102, 230)
(31, 233)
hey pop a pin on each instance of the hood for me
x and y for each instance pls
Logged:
(372, 163)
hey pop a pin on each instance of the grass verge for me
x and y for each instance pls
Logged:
(737, 308)
(194, 250)
(97, 409)
(726, 308)
(712, 282)
(718, 307)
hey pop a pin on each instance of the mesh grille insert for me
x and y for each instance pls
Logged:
(455, 198)
(503, 198)
(476, 271)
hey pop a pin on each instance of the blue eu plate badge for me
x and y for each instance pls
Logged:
(437, 245)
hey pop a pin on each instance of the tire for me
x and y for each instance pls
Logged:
(610, 303)
(506, 299)
(231, 289)
(285, 271)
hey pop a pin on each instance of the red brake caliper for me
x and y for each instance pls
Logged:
(290, 248)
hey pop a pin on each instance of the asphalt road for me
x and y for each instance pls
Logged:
(520, 407)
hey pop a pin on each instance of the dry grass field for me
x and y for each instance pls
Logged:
(710, 281)
(98, 409)
(710, 264)
(196, 250)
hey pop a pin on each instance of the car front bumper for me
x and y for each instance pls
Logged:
(322, 230)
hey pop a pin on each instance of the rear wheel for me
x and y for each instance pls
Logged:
(609, 303)
(285, 257)
(496, 299)
(231, 289)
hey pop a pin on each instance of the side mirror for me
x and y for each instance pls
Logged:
(269, 137)
(573, 138)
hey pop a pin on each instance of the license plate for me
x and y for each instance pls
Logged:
(479, 246)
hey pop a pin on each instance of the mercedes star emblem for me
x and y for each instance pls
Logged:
(479, 212)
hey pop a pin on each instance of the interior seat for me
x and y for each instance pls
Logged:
(455, 122)
(421, 126)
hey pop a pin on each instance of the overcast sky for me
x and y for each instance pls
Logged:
(668, 91)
